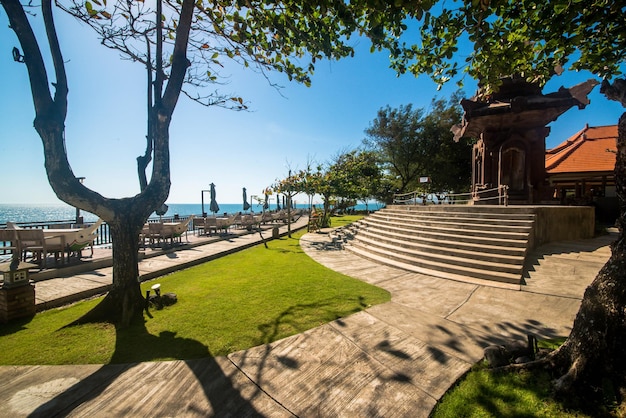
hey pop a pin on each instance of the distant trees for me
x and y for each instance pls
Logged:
(413, 143)
(349, 177)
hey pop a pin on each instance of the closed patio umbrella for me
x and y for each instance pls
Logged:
(266, 205)
(277, 202)
(214, 207)
(246, 205)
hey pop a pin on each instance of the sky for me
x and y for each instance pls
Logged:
(106, 121)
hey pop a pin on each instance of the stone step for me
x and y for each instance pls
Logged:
(485, 236)
(482, 252)
(503, 219)
(506, 248)
(515, 212)
(431, 255)
(459, 242)
(509, 281)
(500, 225)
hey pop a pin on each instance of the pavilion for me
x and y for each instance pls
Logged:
(580, 170)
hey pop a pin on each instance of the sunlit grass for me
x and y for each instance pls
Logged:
(522, 393)
(252, 297)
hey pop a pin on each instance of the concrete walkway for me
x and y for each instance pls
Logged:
(393, 360)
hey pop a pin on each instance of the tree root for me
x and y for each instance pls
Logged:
(565, 383)
(542, 363)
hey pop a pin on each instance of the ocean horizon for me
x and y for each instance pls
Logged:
(24, 213)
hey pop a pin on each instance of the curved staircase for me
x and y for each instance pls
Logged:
(466, 243)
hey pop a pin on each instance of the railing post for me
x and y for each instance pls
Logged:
(506, 195)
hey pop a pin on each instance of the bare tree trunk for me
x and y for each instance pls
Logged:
(124, 302)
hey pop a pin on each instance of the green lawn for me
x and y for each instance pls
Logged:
(523, 393)
(253, 297)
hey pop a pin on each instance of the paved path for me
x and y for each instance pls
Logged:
(393, 360)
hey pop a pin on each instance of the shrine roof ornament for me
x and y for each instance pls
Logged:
(519, 104)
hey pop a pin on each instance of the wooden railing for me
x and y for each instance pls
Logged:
(498, 195)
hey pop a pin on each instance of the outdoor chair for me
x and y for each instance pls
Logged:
(34, 241)
(144, 236)
(10, 242)
(249, 221)
(266, 218)
(198, 225)
(225, 224)
(315, 221)
(237, 220)
(210, 225)
(279, 216)
(155, 230)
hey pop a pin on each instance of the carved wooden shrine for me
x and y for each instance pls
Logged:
(510, 128)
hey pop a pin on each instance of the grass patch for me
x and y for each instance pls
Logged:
(252, 297)
(343, 220)
(485, 393)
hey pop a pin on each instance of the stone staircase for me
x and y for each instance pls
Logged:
(459, 242)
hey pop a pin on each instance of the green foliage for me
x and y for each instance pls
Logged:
(286, 36)
(534, 39)
(249, 298)
(351, 176)
(413, 143)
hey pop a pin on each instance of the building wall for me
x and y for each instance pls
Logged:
(562, 223)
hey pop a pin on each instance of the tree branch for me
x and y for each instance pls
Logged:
(60, 95)
(180, 63)
(32, 55)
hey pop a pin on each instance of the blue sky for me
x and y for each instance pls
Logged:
(105, 127)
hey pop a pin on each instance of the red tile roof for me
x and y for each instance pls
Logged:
(590, 150)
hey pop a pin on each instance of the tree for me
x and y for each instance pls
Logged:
(413, 144)
(181, 43)
(395, 135)
(450, 165)
(537, 40)
(369, 175)
(350, 176)
(290, 186)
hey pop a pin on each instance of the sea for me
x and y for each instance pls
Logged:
(63, 212)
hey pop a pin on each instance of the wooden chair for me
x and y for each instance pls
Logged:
(237, 220)
(34, 241)
(266, 218)
(155, 233)
(198, 225)
(315, 221)
(10, 242)
(225, 224)
(144, 236)
(210, 224)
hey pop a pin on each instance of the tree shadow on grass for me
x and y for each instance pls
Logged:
(165, 386)
(15, 325)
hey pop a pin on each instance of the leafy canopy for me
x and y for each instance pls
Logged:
(284, 36)
(535, 39)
